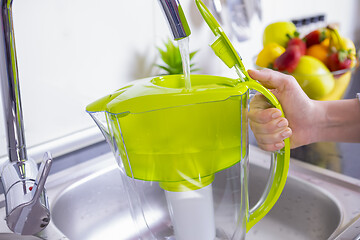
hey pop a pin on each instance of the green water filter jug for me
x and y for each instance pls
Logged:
(183, 156)
(183, 153)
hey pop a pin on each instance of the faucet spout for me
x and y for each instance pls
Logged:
(27, 210)
(176, 18)
(10, 86)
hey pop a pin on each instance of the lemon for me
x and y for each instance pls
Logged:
(269, 54)
(350, 46)
(277, 33)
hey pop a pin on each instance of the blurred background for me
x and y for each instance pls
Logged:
(72, 52)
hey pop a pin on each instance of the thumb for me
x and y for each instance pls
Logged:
(271, 79)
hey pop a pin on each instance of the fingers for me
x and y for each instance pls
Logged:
(259, 101)
(261, 110)
(272, 147)
(273, 138)
(272, 132)
(269, 128)
(273, 141)
(263, 116)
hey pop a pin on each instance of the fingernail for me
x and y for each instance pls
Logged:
(279, 145)
(281, 123)
(286, 133)
(276, 114)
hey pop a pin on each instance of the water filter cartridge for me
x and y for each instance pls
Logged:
(192, 214)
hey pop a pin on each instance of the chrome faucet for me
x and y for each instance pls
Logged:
(27, 210)
(176, 18)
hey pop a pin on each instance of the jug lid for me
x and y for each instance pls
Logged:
(165, 92)
(222, 46)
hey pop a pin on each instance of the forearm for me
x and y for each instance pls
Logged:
(338, 121)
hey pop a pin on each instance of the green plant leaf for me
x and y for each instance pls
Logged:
(192, 54)
(195, 70)
(164, 68)
(164, 56)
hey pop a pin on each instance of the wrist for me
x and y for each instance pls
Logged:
(337, 120)
(319, 121)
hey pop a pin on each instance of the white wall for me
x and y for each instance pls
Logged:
(72, 52)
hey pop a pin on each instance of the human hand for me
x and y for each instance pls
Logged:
(270, 129)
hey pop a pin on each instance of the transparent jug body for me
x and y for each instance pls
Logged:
(184, 168)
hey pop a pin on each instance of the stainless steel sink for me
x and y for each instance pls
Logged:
(88, 202)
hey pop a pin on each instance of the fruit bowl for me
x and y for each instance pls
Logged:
(342, 79)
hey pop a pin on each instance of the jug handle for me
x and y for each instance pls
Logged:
(278, 175)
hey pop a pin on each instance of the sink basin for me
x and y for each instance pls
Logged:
(89, 203)
(302, 212)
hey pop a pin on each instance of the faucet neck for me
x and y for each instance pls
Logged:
(10, 86)
(176, 18)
